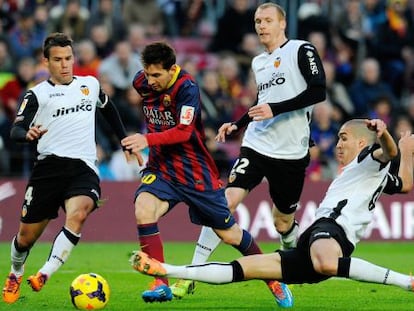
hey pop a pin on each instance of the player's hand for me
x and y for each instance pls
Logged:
(134, 144)
(129, 155)
(376, 125)
(225, 129)
(260, 112)
(35, 132)
(406, 142)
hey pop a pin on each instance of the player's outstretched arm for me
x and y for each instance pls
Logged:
(405, 172)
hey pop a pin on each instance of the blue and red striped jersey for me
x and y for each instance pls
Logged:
(175, 133)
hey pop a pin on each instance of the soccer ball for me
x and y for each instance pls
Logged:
(89, 291)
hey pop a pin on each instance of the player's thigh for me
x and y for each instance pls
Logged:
(297, 267)
(154, 198)
(324, 255)
(44, 192)
(234, 196)
(261, 266)
(286, 179)
(83, 189)
(149, 207)
(79, 207)
(325, 234)
(248, 170)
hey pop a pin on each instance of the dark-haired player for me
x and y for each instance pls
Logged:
(59, 115)
(179, 168)
(324, 250)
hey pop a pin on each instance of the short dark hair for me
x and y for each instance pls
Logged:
(56, 39)
(158, 53)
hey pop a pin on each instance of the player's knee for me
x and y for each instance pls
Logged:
(78, 216)
(233, 201)
(283, 222)
(325, 267)
(283, 226)
(232, 208)
(144, 214)
(232, 204)
(139, 213)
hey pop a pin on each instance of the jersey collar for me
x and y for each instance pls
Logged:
(54, 84)
(174, 77)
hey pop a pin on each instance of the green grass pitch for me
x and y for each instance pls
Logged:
(111, 261)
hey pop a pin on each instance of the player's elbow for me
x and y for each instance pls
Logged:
(185, 132)
(318, 93)
(393, 153)
(18, 134)
(406, 187)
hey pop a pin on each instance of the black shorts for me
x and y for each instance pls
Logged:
(54, 180)
(285, 177)
(296, 263)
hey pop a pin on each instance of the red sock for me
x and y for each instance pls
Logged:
(151, 243)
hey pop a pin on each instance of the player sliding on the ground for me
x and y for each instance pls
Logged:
(365, 149)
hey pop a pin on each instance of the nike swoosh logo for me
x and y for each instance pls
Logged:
(227, 219)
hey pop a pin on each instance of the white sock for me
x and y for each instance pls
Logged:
(365, 271)
(206, 244)
(18, 259)
(214, 272)
(61, 249)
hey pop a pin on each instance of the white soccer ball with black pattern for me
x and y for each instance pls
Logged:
(89, 291)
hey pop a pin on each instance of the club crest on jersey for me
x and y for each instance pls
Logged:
(166, 100)
(187, 115)
(277, 62)
(232, 177)
(85, 90)
(22, 106)
(24, 211)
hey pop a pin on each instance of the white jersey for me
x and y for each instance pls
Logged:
(351, 197)
(278, 78)
(68, 113)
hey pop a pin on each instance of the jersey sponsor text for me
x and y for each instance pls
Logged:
(64, 111)
(158, 117)
(277, 79)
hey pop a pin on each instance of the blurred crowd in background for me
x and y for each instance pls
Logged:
(367, 47)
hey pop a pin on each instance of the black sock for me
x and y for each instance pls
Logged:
(344, 264)
(238, 274)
